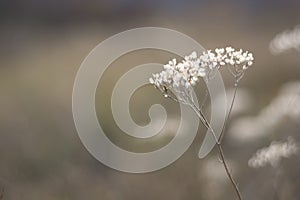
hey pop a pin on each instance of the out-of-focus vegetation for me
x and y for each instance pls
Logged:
(42, 46)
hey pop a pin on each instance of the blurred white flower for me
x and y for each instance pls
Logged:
(274, 153)
(287, 103)
(288, 39)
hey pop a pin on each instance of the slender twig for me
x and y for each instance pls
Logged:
(220, 149)
(204, 120)
(230, 110)
(206, 123)
(228, 172)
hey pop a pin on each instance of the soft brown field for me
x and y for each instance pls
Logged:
(41, 156)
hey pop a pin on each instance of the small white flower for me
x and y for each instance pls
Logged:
(229, 49)
(286, 40)
(274, 153)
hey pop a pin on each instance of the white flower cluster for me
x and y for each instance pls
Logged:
(229, 55)
(285, 105)
(288, 39)
(274, 153)
(185, 74)
(175, 74)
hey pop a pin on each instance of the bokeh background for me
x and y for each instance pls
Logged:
(42, 44)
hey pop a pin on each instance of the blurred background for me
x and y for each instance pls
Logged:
(42, 44)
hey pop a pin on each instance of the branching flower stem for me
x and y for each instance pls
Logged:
(218, 140)
(230, 110)
(180, 77)
(220, 149)
(206, 123)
